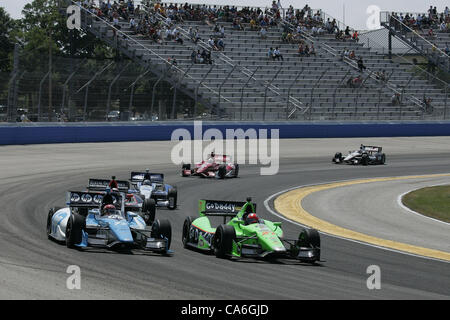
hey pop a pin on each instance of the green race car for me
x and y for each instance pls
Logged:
(245, 235)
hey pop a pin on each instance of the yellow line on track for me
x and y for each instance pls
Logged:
(289, 204)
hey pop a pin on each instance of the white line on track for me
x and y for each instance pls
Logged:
(266, 204)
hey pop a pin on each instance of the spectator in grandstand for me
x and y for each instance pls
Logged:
(354, 82)
(193, 56)
(427, 104)
(361, 65)
(263, 33)
(270, 54)
(312, 50)
(277, 54)
(301, 49)
(447, 50)
(355, 36)
(220, 44)
(352, 55)
(347, 33)
(199, 57)
(395, 99)
(381, 75)
(212, 44)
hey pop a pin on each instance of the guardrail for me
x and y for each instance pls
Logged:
(44, 133)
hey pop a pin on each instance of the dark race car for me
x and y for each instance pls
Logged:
(365, 155)
(151, 186)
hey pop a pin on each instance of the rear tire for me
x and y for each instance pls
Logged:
(222, 171)
(51, 212)
(161, 229)
(173, 193)
(74, 229)
(149, 211)
(383, 158)
(236, 170)
(223, 241)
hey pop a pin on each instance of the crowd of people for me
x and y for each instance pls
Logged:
(426, 21)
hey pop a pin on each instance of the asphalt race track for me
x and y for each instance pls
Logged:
(34, 178)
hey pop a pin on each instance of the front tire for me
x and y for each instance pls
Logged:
(223, 241)
(309, 238)
(172, 196)
(161, 229)
(236, 170)
(183, 168)
(50, 214)
(186, 235)
(74, 229)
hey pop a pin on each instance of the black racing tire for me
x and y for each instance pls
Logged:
(223, 241)
(186, 235)
(149, 211)
(74, 229)
(383, 158)
(308, 238)
(338, 155)
(50, 214)
(172, 193)
(365, 159)
(221, 172)
(161, 229)
(236, 170)
(185, 167)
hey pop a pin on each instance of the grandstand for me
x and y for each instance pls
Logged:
(242, 82)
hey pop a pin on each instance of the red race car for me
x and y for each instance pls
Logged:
(216, 166)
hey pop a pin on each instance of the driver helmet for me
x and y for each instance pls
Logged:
(147, 182)
(252, 218)
(109, 209)
(108, 190)
(213, 154)
(147, 170)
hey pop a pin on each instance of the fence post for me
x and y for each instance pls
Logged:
(265, 93)
(445, 103)
(153, 95)
(312, 92)
(87, 84)
(334, 93)
(108, 103)
(223, 82)
(289, 92)
(196, 88)
(242, 91)
(40, 95)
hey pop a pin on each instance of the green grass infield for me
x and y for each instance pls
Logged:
(433, 202)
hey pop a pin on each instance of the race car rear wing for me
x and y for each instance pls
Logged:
(139, 177)
(91, 200)
(372, 148)
(220, 207)
(102, 184)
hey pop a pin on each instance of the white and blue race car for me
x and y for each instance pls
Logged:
(100, 220)
(151, 186)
